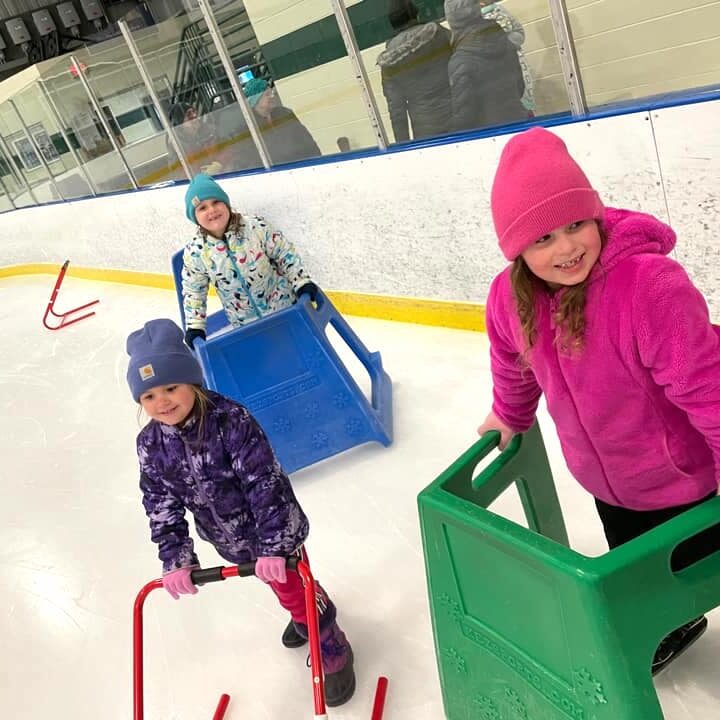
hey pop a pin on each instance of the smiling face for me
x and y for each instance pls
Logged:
(213, 216)
(566, 255)
(169, 404)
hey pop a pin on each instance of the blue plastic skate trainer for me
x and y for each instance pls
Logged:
(283, 368)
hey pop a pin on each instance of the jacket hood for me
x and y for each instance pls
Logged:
(628, 233)
(463, 14)
(473, 31)
(407, 43)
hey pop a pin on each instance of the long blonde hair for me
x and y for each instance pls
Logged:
(200, 410)
(569, 316)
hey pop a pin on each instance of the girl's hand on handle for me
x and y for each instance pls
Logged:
(271, 569)
(493, 422)
(178, 582)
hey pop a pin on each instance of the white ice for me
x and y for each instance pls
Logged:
(74, 545)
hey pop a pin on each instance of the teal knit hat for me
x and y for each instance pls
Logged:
(254, 89)
(202, 187)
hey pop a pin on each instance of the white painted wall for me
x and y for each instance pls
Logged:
(414, 223)
(630, 50)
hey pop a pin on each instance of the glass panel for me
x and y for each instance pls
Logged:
(25, 162)
(5, 203)
(190, 87)
(12, 182)
(298, 78)
(484, 64)
(629, 50)
(121, 93)
(105, 70)
(42, 123)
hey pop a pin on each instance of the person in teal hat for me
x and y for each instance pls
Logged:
(286, 138)
(253, 266)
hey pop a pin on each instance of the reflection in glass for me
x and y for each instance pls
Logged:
(312, 103)
(51, 146)
(33, 184)
(12, 183)
(414, 72)
(83, 126)
(486, 79)
(502, 64)
(515, 32)
(286, 138)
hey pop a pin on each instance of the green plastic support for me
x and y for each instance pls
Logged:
(528, 629)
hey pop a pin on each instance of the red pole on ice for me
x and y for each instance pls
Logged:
(222, 707)
(380, 693)
(64, 317)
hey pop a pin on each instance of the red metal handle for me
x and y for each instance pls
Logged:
(138, 690)
(303, 569)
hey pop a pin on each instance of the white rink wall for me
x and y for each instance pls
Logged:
(412, 223)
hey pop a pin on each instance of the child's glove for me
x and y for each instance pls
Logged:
(493, 422)
(309, 288)
(192, 335)
(271, 569)
(178, 582)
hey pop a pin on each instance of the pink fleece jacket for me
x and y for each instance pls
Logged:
(638, 409)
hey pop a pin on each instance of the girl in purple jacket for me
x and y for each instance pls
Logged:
(594, 314)
(205, 453)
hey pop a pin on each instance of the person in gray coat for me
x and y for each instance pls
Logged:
(414, 71)
(486, 79)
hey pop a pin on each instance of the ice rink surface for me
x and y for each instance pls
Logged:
(75, 547)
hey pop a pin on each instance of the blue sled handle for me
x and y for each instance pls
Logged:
(326, 313)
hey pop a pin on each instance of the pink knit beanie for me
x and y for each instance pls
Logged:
(538, 187)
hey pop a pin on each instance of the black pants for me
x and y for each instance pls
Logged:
(622, 525)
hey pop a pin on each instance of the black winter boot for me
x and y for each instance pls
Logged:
(677, 642)
(337, 661)
(291, 638)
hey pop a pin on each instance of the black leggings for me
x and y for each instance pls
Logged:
(622, 525)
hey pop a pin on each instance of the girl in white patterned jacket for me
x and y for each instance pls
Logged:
(253, 267)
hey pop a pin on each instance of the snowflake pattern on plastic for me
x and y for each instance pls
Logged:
(456, 659)
(451, 606)
(282, 424)
(320, 440)
(485, 708)
(341, 400)
(517, 706)
(312, 410)
(589, 687)
(313, 360)
(354, 426)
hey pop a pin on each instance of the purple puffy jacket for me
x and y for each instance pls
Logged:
(229, 479)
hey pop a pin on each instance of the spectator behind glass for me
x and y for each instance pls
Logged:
(414, 71)
(516, 34)
(197, 138)
(286, 138)
(486, 80)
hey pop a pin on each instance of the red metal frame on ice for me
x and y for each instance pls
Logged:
(232, 571)
(64, 322)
